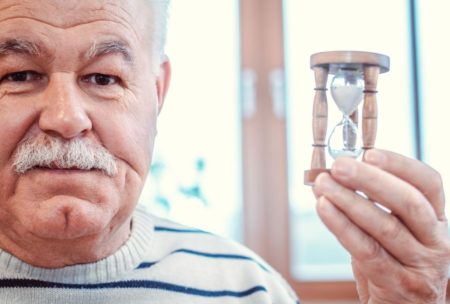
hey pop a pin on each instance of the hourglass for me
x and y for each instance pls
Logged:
(355, 79)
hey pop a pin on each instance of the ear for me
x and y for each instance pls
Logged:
(163, 81)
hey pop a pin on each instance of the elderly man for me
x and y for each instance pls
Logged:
(82, 83)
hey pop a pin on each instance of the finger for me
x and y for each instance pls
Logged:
(374, 261)
(403, 199)
(362, 284)
(385, 228)
(348, 234)
(420, 175)
(316, 194)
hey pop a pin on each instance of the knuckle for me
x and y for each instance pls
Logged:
(346, 228)
(391, 229)
(444, 255)
(373, 251)
(415, 203)
(435, 180)
(423, 289)
(447, 248)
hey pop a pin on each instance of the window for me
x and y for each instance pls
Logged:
(195, 178)
(433, 51)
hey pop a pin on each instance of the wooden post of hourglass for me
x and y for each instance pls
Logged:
(370, 108)
(319, 123)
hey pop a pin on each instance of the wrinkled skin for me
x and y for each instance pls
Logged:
(397, 257)
(53, 218)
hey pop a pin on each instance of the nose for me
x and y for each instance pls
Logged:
(63, 113)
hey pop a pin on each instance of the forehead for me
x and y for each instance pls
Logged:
(129, 17)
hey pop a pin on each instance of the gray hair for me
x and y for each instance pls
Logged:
(159, 28)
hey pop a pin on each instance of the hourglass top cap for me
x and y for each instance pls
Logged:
(334, 60)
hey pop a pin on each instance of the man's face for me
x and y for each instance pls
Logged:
(75, 70)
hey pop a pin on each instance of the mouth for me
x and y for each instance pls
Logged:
(64, 170)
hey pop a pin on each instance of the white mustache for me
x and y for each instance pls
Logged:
(45, 151)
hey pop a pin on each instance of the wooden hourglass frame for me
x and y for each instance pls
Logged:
(370, 65)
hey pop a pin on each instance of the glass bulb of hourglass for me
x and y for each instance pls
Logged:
(347, 91)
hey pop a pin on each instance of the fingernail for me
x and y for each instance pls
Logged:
(375, 157)
(326, 184)
(344, 167)
(325, 207)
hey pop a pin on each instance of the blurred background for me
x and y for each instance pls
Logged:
(235, 132)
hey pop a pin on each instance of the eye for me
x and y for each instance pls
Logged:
(22, 76)
(100, 79)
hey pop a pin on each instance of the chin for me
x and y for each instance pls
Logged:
(65, 218)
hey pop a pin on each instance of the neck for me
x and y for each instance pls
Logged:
(49, 253)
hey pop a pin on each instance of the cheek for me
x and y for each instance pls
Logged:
(16, 120)
(129, 134)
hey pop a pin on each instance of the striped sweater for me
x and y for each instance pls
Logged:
(162, 262)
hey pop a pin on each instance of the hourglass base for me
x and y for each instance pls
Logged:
(311, 175)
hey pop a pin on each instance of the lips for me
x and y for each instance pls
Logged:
(55, 165)
(57, 168)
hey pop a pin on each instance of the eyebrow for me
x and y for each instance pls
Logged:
(30, 48)
(109, 47)
(19, 46)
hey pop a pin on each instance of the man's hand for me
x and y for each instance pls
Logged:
(400, 256)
